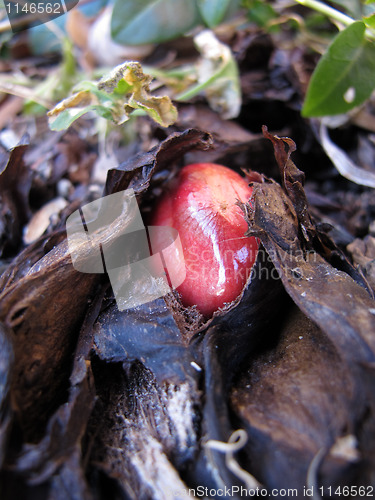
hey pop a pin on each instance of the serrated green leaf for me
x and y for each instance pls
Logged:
(345, 75)
(152, 21)
(106, 99)
(213, 11)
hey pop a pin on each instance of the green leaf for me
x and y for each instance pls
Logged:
(370, 21)
(114, 97)
(66, 117)
(152, 21)
(213, 11)
(32, 108)
(345, 75)
(260, 12)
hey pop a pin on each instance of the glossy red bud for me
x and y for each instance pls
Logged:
(201, 204)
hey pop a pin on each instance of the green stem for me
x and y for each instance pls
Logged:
(333, 14)
(328, 11)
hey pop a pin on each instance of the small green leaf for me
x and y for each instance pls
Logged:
(72, 108)
(115, 97)
(213, 11)
(67, 116)
(152, 21)
(370, 21)
(32, 108)
(260, 12)
(345, 75)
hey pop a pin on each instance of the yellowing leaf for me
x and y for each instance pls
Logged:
(114, 97)
(159, 109)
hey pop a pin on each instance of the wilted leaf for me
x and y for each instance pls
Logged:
(218, 76)
(152, 21)
(115, 97)
(345, 75)
(72, 108)
(363, 252)
(343, 162)
(311, 281)
(130, 78)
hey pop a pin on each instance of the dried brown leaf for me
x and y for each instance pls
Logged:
(15, 182)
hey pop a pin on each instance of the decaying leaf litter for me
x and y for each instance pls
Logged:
(95, 402)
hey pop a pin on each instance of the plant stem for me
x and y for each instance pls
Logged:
(334, 14)
(327, 10)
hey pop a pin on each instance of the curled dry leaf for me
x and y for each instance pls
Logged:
(316, 384)
(229, 137)
(44, 307)
(343, 163)
(159, 109)
(114, 97)
(218, 63)
(363, 253)
(295, 399)
(59, 450)
(42, 218)
(136, 173)
(309, 279)
(15, 182)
